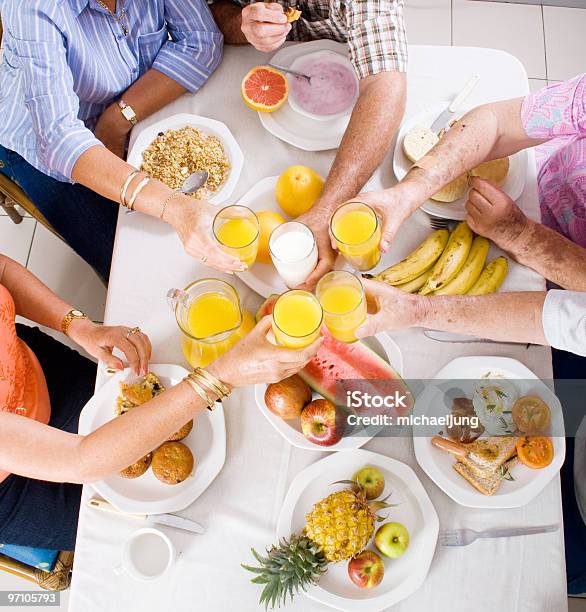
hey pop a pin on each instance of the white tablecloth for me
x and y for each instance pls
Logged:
(241, 506)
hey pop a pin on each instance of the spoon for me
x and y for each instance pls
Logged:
(288, 70)
(194, 181)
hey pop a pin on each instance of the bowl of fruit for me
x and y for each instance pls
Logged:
(306, 408)
(356, 532)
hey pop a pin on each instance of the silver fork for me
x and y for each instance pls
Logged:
(439, 223)
(463, 537)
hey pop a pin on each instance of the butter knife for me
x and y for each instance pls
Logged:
(154, 519)
(454, 106)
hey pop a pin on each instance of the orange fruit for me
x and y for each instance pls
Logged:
(535, 451)
(297, 190)
(267, 220)
(264, 89)
(531, 414)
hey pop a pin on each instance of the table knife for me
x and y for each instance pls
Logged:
(449, 113)
(154, 519)
(442, 336)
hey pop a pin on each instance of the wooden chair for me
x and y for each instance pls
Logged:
(58, 579)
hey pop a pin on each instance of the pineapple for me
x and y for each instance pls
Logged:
(338, 527)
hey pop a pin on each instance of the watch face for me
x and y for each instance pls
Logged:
(77, 313)
(128, 113)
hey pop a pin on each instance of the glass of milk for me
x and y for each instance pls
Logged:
(293, 251)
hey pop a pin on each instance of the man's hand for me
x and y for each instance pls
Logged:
(318, 221)
(112, 130)
(265, 25)
(391, 307)
(492, 214)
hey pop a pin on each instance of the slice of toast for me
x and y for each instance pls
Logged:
(418, 141)
(488, 484)
(486, 455)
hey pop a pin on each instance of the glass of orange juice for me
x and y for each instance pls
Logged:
(236, 229)
(209, 316)
(297, 319)
(341, 296)
(357, 232)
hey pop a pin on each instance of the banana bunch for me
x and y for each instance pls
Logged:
(448, 264)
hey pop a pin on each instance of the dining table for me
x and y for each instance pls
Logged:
(240, 508)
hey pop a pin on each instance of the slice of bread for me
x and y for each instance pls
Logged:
(486, 455)
(488, 484)
(418, 141)
(494, 171)
(452, 191)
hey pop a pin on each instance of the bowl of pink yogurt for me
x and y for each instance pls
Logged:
(332, 89)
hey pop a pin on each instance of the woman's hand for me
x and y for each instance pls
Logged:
(256, 360)
(492, 214)
(391, 307)
(193, 221)
(265, 25)
(393, 206)
(100, 340)
(112, 130)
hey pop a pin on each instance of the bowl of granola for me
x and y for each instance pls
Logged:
(172, 149)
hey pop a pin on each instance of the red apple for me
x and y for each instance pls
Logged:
(287, 398)
(366, 570)
(322, 423)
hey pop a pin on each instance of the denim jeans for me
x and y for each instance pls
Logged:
(85, 220)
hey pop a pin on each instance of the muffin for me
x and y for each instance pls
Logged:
(172, 463)
(139, 468)
(182, 433)
(141, 392)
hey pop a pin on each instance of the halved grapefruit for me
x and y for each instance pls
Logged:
(264, 89)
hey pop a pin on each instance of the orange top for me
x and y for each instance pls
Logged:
(23, 388)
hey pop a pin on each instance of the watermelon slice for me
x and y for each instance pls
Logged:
(339, 367)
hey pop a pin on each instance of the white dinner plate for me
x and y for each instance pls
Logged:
(208, 126)
(437, 463)
(513, 185)
(300, 130)
(146, 494)
(384, 346)
(264, 278)
(414, 509)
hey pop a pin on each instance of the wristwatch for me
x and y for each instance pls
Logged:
(127, 112)
(68, 319)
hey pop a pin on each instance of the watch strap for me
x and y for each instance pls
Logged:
(69, 318)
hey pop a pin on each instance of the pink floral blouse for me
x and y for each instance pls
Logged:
(558, 112)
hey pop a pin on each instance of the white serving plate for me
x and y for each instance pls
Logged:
(403, 576)
(437, 464)
(384, 346)
(336, 57)
(513, 185)
(208, 126)
(146, 494)
(300, 130)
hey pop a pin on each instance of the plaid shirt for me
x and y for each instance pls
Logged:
(373, 29)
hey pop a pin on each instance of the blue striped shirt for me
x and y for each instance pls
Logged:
(66, 61)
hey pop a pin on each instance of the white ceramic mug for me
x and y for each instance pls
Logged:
(147, 555)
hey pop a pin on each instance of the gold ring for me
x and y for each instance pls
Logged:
(134, 330)
(203, 259)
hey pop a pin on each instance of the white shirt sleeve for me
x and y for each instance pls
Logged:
(564, 320)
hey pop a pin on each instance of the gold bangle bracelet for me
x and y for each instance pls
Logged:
(166, 201)
(202, 382)
(221, 386)
(125, 186)
(200, 392)
(137, 190)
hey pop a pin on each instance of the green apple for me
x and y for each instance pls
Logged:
(371, 479)
(392, 539)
